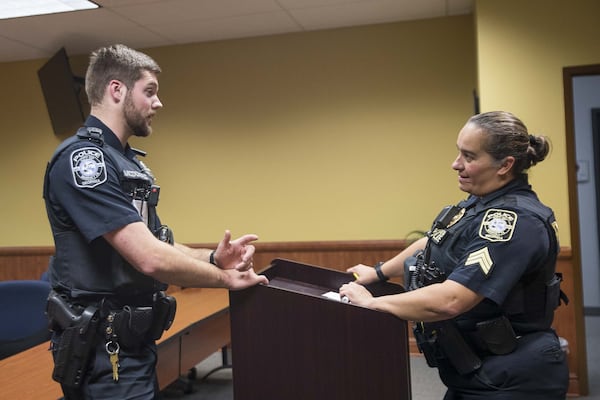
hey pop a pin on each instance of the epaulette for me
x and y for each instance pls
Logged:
(92, 134)
(138, 152)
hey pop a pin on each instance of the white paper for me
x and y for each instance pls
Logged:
(335, 296)
(332, 296)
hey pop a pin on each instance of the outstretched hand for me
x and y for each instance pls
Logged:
(235, 254)
(244, 279)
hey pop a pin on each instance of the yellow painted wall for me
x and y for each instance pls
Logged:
(522, 48)
(333, 135)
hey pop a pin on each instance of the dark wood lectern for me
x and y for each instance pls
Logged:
(290, 342)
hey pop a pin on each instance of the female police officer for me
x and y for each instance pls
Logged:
(482, 283)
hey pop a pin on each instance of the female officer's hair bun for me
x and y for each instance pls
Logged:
(507, 135)
(539, 147)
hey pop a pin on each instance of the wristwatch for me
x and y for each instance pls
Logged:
(379, 272)
(211, 259)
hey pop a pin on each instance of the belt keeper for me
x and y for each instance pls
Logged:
(380, 273)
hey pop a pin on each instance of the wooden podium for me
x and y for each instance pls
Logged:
(290, 342)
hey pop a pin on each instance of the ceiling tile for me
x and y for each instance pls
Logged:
(460, 7)
(15, 51)
(189, 10)
(78, 32)
(367, 12)
(294, 4)
(228, 28)
(150, 23)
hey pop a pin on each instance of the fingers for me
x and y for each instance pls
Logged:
(263, 280)
(347, 288)
(344, 289)
(247, 258)
(227, 237)
(244, 240)
(248, 253)
(355, 268)
(225, 243)
(236, 254)
(242, 280)
(245, 266)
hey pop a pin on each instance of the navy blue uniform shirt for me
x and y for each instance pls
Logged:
(95, 207)
(495, 244)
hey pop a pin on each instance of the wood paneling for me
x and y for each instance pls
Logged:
(24, 262)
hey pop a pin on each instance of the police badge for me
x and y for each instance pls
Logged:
(498, 225)
(449, 216)
(88, 168)
(456, 218)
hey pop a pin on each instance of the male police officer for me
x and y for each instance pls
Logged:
(113, 256)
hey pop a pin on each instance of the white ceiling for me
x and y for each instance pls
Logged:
(153, 23)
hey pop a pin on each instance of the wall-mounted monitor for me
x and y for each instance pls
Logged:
(63, 94)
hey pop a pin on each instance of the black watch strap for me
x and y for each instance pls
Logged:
(211, 259)
(380, 273)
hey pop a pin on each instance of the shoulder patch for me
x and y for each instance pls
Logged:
(88, 167)
(498, 225)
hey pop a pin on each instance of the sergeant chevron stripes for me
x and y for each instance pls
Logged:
(483, 258)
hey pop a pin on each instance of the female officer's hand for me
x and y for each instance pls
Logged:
(356, 294)
(365, 273)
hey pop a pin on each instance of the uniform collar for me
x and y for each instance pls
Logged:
(515, 184)
(109, 136)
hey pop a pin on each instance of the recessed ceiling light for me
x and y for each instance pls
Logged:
(26, 8)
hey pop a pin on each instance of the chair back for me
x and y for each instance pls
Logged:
(22, 312)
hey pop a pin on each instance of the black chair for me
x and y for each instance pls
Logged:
(22, 312)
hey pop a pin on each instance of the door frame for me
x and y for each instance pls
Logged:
(596, 166)
(568, 74)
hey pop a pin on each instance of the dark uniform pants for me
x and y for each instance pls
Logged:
(536, 370)
(137, 376)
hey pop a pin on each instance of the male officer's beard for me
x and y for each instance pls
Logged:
(135, 120)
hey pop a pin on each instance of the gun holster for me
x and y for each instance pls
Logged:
(77, 327)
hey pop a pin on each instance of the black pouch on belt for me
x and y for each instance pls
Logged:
(498, 335)
(456, 349)
(164, 313)
(131, 325)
